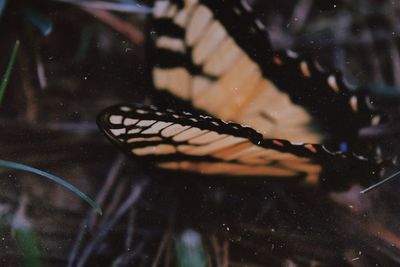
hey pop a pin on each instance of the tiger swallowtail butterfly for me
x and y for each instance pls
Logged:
(216, 56)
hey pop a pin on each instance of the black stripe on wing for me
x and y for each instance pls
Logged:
(164, 26)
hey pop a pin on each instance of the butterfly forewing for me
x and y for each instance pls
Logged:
(181, 141)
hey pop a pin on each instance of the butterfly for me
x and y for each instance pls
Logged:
(217, 57)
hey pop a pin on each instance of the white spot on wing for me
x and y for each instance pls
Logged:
(260, 25)
(161, 149)
(304, 69)
(183, 15)
(375, 120)
(332, 83)
(170, 43)
(157, 127)
(209, 42)
(115, 119)
(145, 123)
(160, 9)
(291, 54)
(173, 130)
(246, 5)
(129, 121)
(176, 80)
(172, 11)
(188, 134)
(141, 111)
(143, 139)
(354, 103)
(198, 22)
(117, 132)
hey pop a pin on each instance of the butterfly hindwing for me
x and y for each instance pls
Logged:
(195, 143)
(217, 55)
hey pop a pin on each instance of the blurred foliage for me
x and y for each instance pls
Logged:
(6, 76)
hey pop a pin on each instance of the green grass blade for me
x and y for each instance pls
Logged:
(22, 167)
(190, 250)
(391, 177)
(7, 74)
(27, 243)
